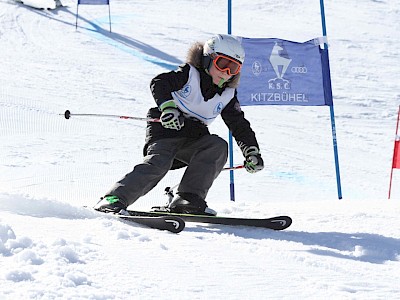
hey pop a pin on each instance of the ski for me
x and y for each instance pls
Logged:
(173, 224)
(274, 223)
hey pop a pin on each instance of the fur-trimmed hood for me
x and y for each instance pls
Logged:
(195, 58)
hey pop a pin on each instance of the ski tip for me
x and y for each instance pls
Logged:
(169, 223)
(282, 222)
(174, 225)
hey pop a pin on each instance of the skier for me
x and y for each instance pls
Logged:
(188, 100)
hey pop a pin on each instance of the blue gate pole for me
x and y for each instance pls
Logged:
(230, 139)
(332, 114)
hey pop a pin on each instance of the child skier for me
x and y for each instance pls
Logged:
(188, 100)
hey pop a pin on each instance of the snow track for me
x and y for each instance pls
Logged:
(52, 248)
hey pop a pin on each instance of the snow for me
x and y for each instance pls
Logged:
(51, 247)
(42, 4)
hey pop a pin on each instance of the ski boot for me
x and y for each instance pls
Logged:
(187, 203)
(110, 204)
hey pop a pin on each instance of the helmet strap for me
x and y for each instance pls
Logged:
(207, 61)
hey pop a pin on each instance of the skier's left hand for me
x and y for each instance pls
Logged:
(253, 161)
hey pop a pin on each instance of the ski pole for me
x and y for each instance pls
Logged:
(233, 168)
(67, 114)
(169, 191)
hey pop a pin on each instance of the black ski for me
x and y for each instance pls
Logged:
(274, 223)
(174, 224)
(171, 223)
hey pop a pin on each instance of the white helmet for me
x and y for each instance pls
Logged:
(224, 44)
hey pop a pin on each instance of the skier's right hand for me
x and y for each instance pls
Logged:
(171, 117)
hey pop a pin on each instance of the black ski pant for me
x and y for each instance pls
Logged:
(205, 157)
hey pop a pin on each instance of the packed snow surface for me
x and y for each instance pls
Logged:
(52, 247)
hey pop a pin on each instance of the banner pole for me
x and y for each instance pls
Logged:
(332, 113)
(76, 19)
(394, 149)
(109, 14)
(230, 139)
(229, 16)
(390, 182)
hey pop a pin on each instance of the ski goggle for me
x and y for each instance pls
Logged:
(225, 63)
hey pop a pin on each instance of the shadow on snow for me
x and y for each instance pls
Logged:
(365, 247)
(122, 42)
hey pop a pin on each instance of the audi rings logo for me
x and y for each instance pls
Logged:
(299, 70)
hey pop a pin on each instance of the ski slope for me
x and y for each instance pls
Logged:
(53, 248)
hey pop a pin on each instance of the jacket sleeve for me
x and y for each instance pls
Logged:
(234, 118)
(164, 84)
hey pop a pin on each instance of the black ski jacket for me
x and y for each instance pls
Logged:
(161, 87)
